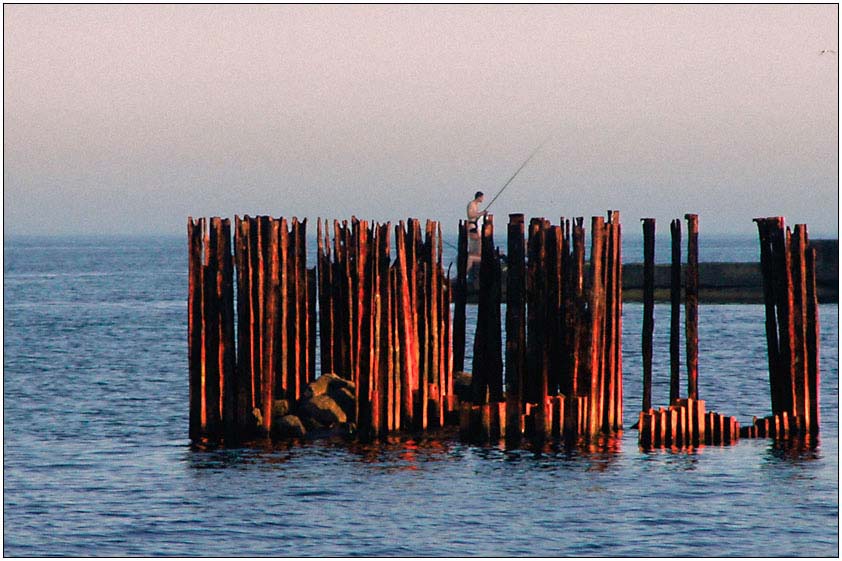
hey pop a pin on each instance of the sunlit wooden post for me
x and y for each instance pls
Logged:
(595, 304)
(579, 369)
(798, 269)
(257, 312)
(285, 380)
(813, 340)
(405, 326)
(618, 318)
(692, 305)
(269, 229)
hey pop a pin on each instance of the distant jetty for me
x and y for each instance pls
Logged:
(724, 282)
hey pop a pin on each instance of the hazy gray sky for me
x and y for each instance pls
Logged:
(131, 118)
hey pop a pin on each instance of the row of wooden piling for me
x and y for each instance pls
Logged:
(233, 388)
(386, 325)
(788, 266)
(686, 424)
(792, 331)
(563, 347)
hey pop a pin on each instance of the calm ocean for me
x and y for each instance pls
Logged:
(97, 460)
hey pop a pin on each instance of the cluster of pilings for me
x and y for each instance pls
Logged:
(788, 265)
(233, 387)
(563, 349)
(684, 422)
(792, 332)
(386, 325)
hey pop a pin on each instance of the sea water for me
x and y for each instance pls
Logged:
(97, 460)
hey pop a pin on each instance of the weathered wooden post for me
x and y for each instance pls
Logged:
(227, 353)
(244, 390)
(286, 381)
(487, 379)
(269, 229)
(648, 308)
(798, 249)
(784, 296)
(596, 303)
(675, 310)
(195, 334)
(210, 329)
(612, 413)
(768, 275)
(515, 326)
(813, 340)
(257, 312)
(692, 305)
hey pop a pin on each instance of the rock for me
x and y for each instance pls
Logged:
(323, 409)
(312, 425)
(462, 385)
(280, 408)
(346, 400)
(327, 383)
(339, 390)
(289, 426)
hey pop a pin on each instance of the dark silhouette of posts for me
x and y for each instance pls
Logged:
(487, 379)
(648, 307)
(692, 305)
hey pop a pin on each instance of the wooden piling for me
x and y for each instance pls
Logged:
(515, 324)
(648, 308)
(227, 352)
(194, 325)
(596, 305)
(767, 268)
(675, 310)
(460, 298)
(692, 305)
(210, 328)
(813, 341)
(243, 356)
(270, 231)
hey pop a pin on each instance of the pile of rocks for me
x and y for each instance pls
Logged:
(327, 406)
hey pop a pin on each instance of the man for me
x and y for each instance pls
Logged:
(474, 214)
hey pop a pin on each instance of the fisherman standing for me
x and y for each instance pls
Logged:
(474, 234)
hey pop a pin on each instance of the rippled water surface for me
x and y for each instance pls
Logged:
(97, 461)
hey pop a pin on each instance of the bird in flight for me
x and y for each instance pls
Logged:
(830, 51)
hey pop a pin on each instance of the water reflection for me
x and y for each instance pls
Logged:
(796, 450)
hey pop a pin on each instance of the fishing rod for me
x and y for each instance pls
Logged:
(523, 165)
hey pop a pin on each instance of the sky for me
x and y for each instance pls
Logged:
(128, 119)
